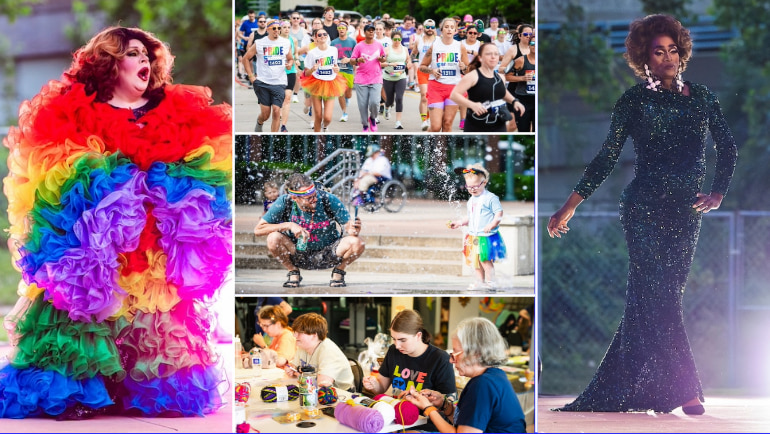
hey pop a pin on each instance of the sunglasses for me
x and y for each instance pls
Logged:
(341, 28)
(261, 21)
(320, 35)
(430, 27)
(473, 33)
(294, 18)
(527, 34)
(396, 39)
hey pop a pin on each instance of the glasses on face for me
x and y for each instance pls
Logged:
(396, 39)
(430, 27)
(321, 35)
(341, 28)
(527, 34)
(261, 21)
(274, 27)
(265, 326)
(475, 187)
(473, 33)
(453, 356)
(294, 18)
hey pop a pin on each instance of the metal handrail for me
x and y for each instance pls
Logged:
(347, 163)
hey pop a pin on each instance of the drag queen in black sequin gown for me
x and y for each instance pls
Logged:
(660, 211)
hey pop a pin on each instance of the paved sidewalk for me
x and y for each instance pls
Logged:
(419, 217)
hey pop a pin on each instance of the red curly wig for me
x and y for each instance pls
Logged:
(96, 64)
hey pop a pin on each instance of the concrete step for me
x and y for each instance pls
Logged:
(374, 251)
(367, 265)
(379, 239)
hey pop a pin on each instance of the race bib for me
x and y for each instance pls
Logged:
(447, 72)
(399, 68)
(324, 72)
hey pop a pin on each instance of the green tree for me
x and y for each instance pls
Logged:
(199, 33)
(676, 8)
(746, 101)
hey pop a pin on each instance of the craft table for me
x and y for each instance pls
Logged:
(260, 415)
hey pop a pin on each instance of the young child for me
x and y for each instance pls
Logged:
(483, 244)
(269, 194)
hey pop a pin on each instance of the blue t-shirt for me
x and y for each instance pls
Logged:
(319, 223)
(247, 27)
(344, 49)
(488, 403)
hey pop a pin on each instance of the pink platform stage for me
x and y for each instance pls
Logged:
(726, 412)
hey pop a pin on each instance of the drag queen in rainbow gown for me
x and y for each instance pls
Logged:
(119, 203)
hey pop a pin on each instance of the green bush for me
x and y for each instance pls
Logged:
(523, 186)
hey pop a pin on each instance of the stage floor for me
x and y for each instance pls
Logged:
(725, 413)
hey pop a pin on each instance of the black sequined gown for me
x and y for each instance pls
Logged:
(649, 364)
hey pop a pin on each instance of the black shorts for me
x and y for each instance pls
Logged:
(317, 259)
(291, 80)
(269, 94)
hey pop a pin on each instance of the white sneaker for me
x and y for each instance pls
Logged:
(258, 127)
(344, 117)
(399, 126)
(294, 98)
(425, 125)
(378, 119)
(387, 113)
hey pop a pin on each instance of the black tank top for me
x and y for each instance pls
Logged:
(487, 88)
(521, 86)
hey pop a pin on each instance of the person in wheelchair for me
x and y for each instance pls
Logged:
(374, 172)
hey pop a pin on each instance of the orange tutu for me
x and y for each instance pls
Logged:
(322, 88)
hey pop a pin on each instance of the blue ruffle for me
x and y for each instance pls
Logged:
(33, 392)
(189, 392)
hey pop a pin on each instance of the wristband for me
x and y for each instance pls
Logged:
(428, 411)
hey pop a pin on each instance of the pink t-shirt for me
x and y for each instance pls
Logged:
(369, 72)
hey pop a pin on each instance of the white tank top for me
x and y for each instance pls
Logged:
(447, 59)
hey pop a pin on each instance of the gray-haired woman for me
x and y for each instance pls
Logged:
(488, 403)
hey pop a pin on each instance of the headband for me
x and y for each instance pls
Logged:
(309, 191)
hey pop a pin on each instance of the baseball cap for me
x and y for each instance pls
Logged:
(493, 20)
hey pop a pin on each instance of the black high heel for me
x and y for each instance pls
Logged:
(694, 410)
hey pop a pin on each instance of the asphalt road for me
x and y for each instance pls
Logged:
(246, 109)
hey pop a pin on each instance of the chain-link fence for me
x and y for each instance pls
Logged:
(582, 292)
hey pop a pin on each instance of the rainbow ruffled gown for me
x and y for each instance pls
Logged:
(122, 230)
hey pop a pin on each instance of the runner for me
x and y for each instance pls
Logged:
(270, 81)
(444, 61)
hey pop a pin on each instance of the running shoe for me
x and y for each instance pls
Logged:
(462, 124)
(387, 113)
(283, 129)
(294, 98)
(425, 125)
(258, 127)
(366, 128)
(399, 126)
(382, 108)
(344, 117)
(373, 125)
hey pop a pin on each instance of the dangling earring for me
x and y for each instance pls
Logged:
(679, 82)
(652, 84)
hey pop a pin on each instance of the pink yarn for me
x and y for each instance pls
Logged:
(406, 412)
(358, 417)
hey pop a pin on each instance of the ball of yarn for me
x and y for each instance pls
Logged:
(290, 392)
(358, 417)
(327, 395)
(406, 412)
(386, 410)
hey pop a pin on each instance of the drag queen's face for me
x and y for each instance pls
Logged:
(134, 70)
(664, 57)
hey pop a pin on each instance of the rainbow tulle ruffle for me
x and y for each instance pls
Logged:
(123, 233)
(477, 249)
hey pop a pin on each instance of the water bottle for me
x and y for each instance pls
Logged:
(256, 360)
(301, 244)
(308, 388)
(238, 348)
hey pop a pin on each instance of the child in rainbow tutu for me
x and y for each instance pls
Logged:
(483, 244)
